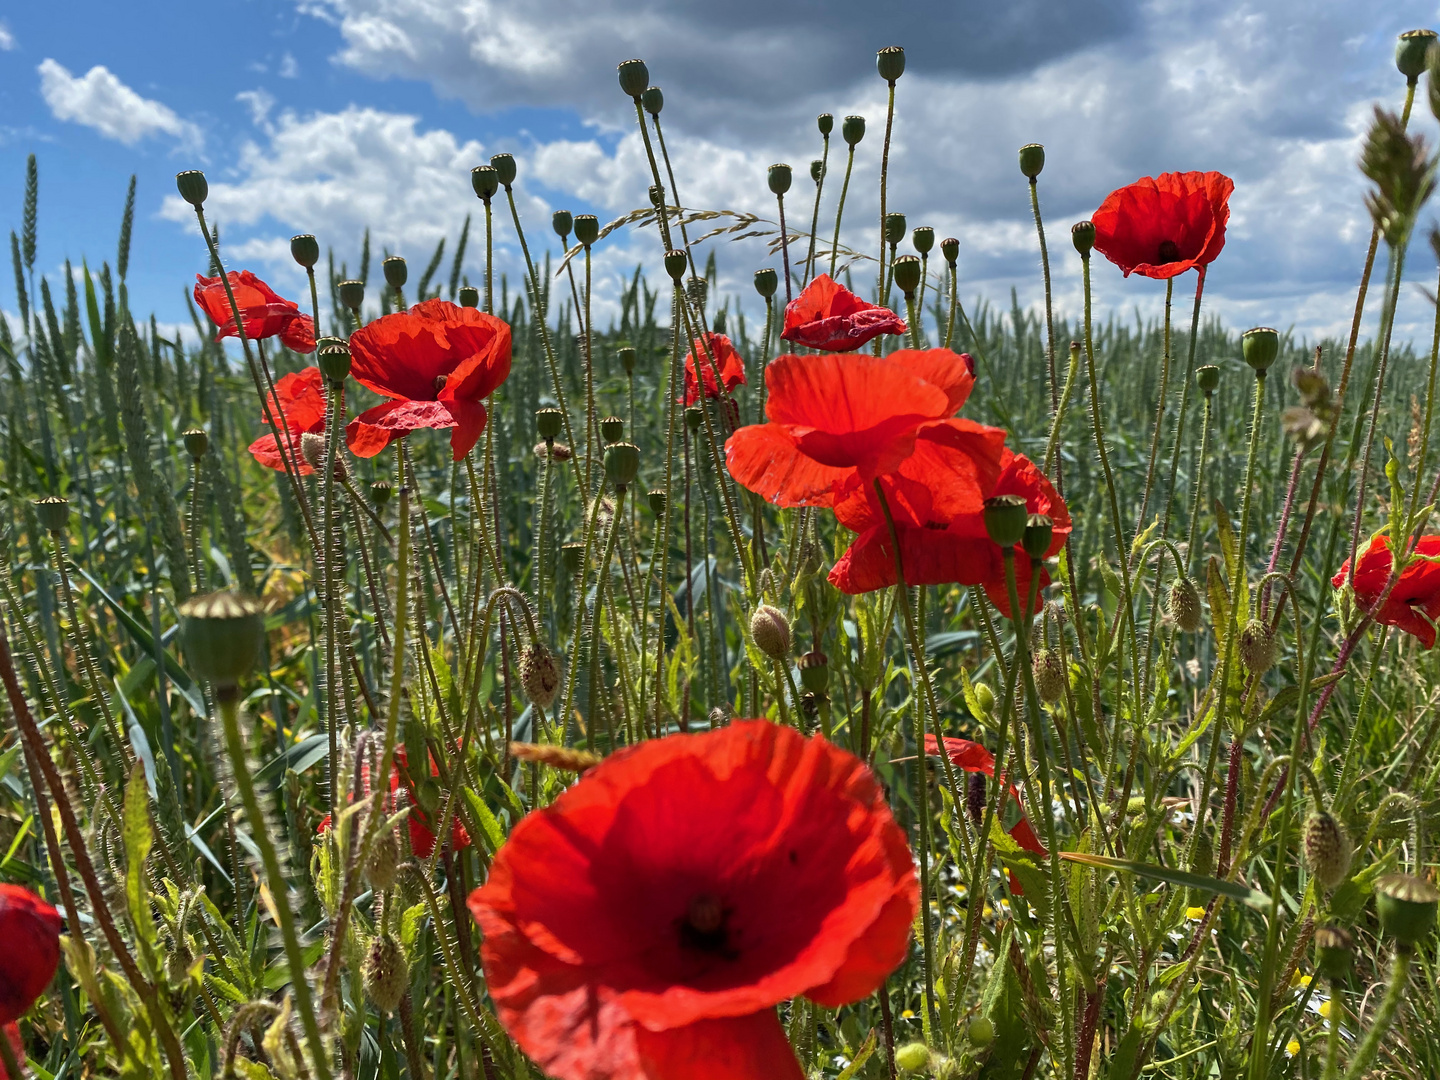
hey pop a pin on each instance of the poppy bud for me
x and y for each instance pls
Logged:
(549, 423)
(1082, 235)
(657, 196)
(912, 1057)
(1410, 52)
(950, 248)
(386, 974)
(975, 797)
(352, 294)
(1049, 672)
(906, 273)
(984, 697)
(694, 418)
(890, 63)
(396, 273)
(1260, 346)
(653, 100)
(622, 462)
(1032, 159)
(1207, 378)
(562, 222)
(894, 228)
(192, 186)
(657, 499)
(778, 177)
(853, 130)
(312, 448)
(485, 179)
(539, 674)
(53, 512)
(553, 451)
(1333, 948)
(634, 77)
(504, 166)
(815, 671)
(1005, 518)
(222, 634)
(817, 170)
(766, 282)
(1184, 605)
(1406, 906)
(1039, 530)
(981, 1031)
(1327, 849)
(1258, 647)
(698, 290)
(923, 238)
(196, 442)
(570, 556)
(612, 429)
(771, 631)
(384, 861)
(335, 363)
(675, 263)
(626, 356)
(305, 250)
(587, 229)
(469, 296)
(380, 492)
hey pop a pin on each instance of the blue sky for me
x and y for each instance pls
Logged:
(326, 115)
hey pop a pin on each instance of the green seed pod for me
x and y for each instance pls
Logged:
(380, 492)
(396, 273)
(694, 418)
(570, 557)
(923, 237)
(817, 170)
(469, 296)
(981, 1031)
(384, 861)
(1410, 52)
(657, 499)
(1258, 647)
(653, 100)
(950, 248)
(906, 274)
(1082, 235)
(852, 130)
(587, 229)
(1032, 159)
(626, 356)
(539, 674)
(386, 974)
(622, 462)
(984, 697)
(305, 250)
(196, 442)
(1184, 605)
(53, 513)
(890, 63)
(675, 264)
(192, 186)
(1207, 378)
(1005, 519)
(1039, 531)
(334, 363)
(771, 631)
(549, 423)
(826, 122)
(562, 223)
(485, 179)
(1327, 849)
(1334, 953)
(634, 78)
(1049, 672)
(504, 166)
(766, 282)
(815, 671)
(778, 177)
(1406, 906)
(894, 228)
(612, 429)
(1260, 346)
(222, 634)
(352, 294)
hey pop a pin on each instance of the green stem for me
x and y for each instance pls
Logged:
(1049, 310)
(1159, 412)
(1385, 1017)
(815, 212)
(881, 292)
(840, 210)
(1184, 402)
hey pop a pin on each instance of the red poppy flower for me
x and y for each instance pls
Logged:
(30, 932)
(646, 924)
(1414, 604)
(939, 517)
(302, 399)
(422, 834)
(835, 421)
(1161, 226)
(829, 317)
(732, 368)
(265, 312)
(11, 1031)
(436, 362)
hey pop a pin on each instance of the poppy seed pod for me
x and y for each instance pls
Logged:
(675, 263)
(890, 63)
(1032, 159)
(694, 418)
(766, 282)
(334, 363)
(817, 170)
(380, 492)
(657, 499)
(950, 248)
(587, 229)
(1327, 849)
(222, 634)
(1082, 235)
(396, 272)
(53, 512)
(504, 166)
(634, 77)
(1410, 52)
(196, 442)
(622, 462)
(1184, 605)
(612, 429)
(771, 631)
(1261, 346)
(352, 294)
(1207, 378)
(386, 974)
(1333, 952)
(485, 179)
(562, 223)
(1406, 906)
(193, 186)
(894, 228)
(912, 1057)
(653, 100)
(570, 557)
(852, 130)
(469, 296)
(1049, 672)
(778, 176)
(906, 273)
(1005, 519)
(1039, 529)
(548, 423)
(1258, 647)
(826, 123)
(305, 250)
(626, 356)
(923, 237)
(814, 671)
(539, 674)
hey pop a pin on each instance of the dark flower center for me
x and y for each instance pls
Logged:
(703, 927)
(440, 381)
(1169, 251)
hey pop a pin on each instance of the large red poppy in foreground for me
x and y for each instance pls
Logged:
(29, 950)
(1161, 226)
(265, 312)
(1414, 604)
(302, 400)
(645, 925)
(829, 317)
(722, 351)
(436, 362)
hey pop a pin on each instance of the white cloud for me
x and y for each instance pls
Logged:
(101, 101)
(259, 102)
(289, 67)
(7, 39)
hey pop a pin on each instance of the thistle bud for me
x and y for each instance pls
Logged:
(386, 974)
(305, 250)
(905, 272)
(549, 423)
(852, 130)
(469, 296)
(1049, 672)
(587, 229)
(675, 263)
(626, 356)
(504, 166)
(894, 228)
(1410, 52)
(384, 861)
(192, 186)
(912, 1057)
(778, 177)
(1082, 235)
(923, 237)
(653, 100)
(634, 78)
(539, 674)
(950, 248)
(1260, 346)
(771, 631)
(1258, 647)
(396, 273)
(890, 63)
(1005, 518)
(1406, 906)
(1032, 160)
(984, 698)
(1039, 531)
(1327, 849)
(352, 294)
(334, 363)
(53, 512)
(196, 442)
(571, 556)
(622, 462)
(694, 418)
(1184, 605)
(1207, 378)
(766, 282)
(222, 634)
(815, 671)
(826, 122)
(657, 500)
(562, 222)
(485, 179)
(612, 429)
(380, 492)
(1333, 952)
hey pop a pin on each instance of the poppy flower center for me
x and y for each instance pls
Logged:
(439, 383)
(1169, 251)
(703, 927)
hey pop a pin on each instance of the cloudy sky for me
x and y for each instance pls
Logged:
(326, 116)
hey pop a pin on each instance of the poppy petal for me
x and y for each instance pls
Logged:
(469, 419)
(764, 459)
(736, 1048)
(377, 428)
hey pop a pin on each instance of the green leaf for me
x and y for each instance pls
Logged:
(1003, 1002)
(1246, 895)
(494, 835)
(861, 1057)
(138, 841)
(1351, 897)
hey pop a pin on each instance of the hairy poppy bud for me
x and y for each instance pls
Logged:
(815, 671)
(1406, 906)
(852, 130)
(657, 196)
(1032, 159)
(657, 499)
(912, 1057)
(312, 449)
(305, 250)
(504, 166)
(1410, 52)
(694, 418)
(570, 557)
(192, 186)
(950, 248)
(653, 100)
(562, 223)
(539, 674)
(981, 1031)
(53, 512)
(1049, 672)
(612, 428)
(622, 462)
(1260, 346)
(1039, 530)
(766, 282)
(396, 272)
(1184, 605)
(1327, 849)
(352, 294)
(984, 697)
(634, 77)
(1082, 235)
(1207, 378)
(222, 634)
(778, 177)
(485, 179)
(384, 861)
(817, 170)
(553, 451)
(894, 228)
(890, 63)
(826, 122)
(469, 296)
(549, 423)
(675, 263)
(698, 290)
(1258, 647)
(626, 356)
(975, 796)
(1333, 952)
(196, 441)
(587, 229)
(1005, 518)
(380, 492)
(334, 362)
(923, 237)
(771, 631)
(906, 273)
(386, 974)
